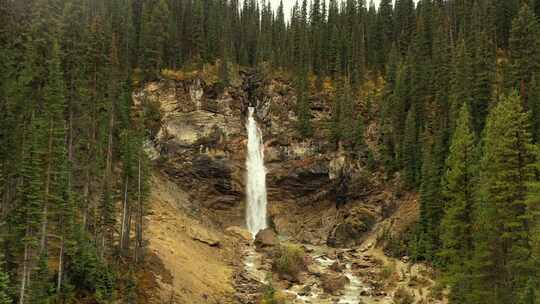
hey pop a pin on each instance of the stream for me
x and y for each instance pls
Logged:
(310, 291)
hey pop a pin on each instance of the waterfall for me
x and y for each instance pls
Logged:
(256, 178)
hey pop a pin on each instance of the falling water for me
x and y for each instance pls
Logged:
(256, 178)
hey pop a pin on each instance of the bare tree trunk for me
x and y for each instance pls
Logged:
(107, 231)
(139, 223)
(125, 212)
(86, 198)
(60, 266)
(25, 272)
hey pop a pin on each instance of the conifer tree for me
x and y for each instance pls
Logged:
(346, 118)
(524, 51)
(4, 283)
(303, 106)
(459, 194)
(409, 153)
(534, 107)
(502, 264)
(461, 83)
(154, 36)
(431, 208)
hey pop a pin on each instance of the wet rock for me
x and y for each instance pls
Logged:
(336, 266)
(361, 265)
(314, 270)
(333, 283)
(266, 238)
(306, 290)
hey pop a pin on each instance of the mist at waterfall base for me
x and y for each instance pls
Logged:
(256, 178)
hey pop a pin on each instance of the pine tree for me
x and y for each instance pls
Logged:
(461, 83)
(4, 283)
(534, 106)
(41, 285)
(484, 74)
(532, 291)
(304, 114)
(431, 209)
(459, 194)
(524, 51)
(347, 112)
(409, 153)
(505, 177)
(154, 36)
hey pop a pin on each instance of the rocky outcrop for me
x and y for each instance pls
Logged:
(266, 238)
(333, 283)
(316, 194)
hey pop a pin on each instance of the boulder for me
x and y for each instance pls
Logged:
(336, 266)
(266, 238)
(333, 283)
(240, 233)
(204, 236)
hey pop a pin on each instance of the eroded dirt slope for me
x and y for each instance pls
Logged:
(187, 260)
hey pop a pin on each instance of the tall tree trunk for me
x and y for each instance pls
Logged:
(107, 232)
(125, 211)
(60, 267)
(139, 224)
(25, 272)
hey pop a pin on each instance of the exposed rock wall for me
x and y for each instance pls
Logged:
(316, 194)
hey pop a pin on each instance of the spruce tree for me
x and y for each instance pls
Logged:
(524, 51)
(409, 153)
(4, 283)
(154, 36)
(534, 107)
(459, 194)
(503, 238)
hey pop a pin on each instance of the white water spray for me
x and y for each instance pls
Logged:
(256, 178)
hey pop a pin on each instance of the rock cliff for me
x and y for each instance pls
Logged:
(317, 194)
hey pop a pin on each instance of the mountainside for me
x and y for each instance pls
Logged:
(317, 195)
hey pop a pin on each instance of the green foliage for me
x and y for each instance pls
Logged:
(502, 220)
(289, 260)
(524, 49)
(271, 295)
(87, 272)
(4, 283)
(411, 162)
(343, 127)
(40, 290)
(459, 194)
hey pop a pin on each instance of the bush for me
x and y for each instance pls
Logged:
(152, 117)
(272, 296)
(388, 271)
(289, 260)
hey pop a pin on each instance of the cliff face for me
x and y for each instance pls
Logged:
(316, 193)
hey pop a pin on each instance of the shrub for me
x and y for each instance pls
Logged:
(272, 296)
(388, 271)
(152, 117)
(289, 260)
